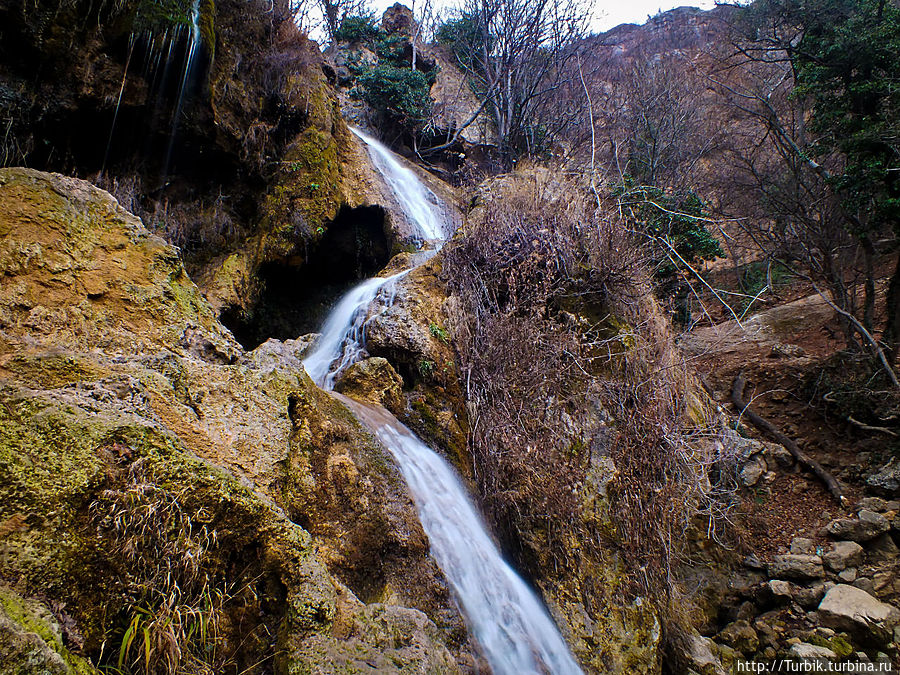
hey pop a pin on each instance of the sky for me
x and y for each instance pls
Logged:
(607, 13)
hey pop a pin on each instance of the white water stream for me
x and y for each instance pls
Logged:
(507, 618)
(419, 204)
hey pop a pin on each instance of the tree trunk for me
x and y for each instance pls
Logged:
(891, 336)
(869, 303)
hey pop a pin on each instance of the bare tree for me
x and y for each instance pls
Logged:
(335, 11)
(515, 53)
(800, 218)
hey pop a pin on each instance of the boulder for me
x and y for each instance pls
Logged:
(753, 470)
(806, 652)
(781, 455)
(781, 591)
(865, 527)
(848, 576)
(853, 610)
(878, 504)
(373, 380)
(886, 480)
(842, 555)
(700, 657)
(808, 597)
(802, 545)
(796, 566)
(881, 549)
(740, 636)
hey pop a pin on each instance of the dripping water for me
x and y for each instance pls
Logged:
(185, 77)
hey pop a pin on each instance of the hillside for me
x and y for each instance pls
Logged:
(451, 346)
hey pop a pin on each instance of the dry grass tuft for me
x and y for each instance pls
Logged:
(174, 603)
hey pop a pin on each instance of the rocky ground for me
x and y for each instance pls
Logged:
(816, 580)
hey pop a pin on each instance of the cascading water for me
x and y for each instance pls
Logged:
(510, 622)
(419, 204)
(185, 77)
(340, 344)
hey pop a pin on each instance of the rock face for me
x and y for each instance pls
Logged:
(134, 429)
(866, 526)
(794, 566)
(31, 641)
(372, 380)
(852, 609)
(398, 20)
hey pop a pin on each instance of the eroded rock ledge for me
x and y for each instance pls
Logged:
(155, 476)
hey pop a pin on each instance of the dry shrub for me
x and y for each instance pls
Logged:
(565, 358)
(527, 257)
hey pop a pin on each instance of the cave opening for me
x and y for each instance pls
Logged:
(297, 292)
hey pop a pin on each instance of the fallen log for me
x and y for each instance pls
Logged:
(743, 407)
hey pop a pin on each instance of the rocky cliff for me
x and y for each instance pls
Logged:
(170, 497)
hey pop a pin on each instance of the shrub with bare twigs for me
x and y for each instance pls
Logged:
(565, 360)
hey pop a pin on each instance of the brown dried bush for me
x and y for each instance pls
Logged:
(564, 359)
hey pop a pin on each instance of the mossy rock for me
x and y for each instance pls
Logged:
(31, 640)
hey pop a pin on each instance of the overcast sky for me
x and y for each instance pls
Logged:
(608, 13)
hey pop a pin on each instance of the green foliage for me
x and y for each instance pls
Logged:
(391, 48)
(440, 333)
(848, 63)
(426, 367)
(397, 93)
(672, 219)
(357, 28)
(161, 14)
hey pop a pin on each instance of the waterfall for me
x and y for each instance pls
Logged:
(343, 335)
(507, 618)
(185, 77)
(419, 204)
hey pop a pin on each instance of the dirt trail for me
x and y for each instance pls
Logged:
(781, 350)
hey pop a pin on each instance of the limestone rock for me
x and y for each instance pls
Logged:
(878, 504)
(284, 356)
(120, 387)
(781, 455)
(842, 555)
(796, 566)
(752, 471)
(781, 591)
(881, 549)
(866, 526)
(31, 642)
(848, 576)
(852, 609)
(803, 546)
(806, 652)
(809, 597)
(700, 657)
(372, 380)
(398, 20)
(887, 479)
